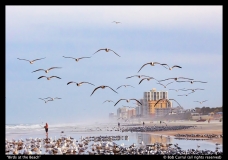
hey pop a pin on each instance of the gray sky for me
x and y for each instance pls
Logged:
(188, 36)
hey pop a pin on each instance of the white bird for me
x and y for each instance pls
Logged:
(139, 76)
(45, 100)
(76, 59)
(108, 101)
(107, 50)
(164, 85)
(192, 81)
(52, 98)
(177, 89)
(125, 86)
(116, 22)
(32, 61)
(149, 78)
(170, 68)
(193, 90)
(103, 87)
(127, 100)
(201, 101)
(47, 70)
(176, 78)
(48, 78)
(151, 63)
(79, 84)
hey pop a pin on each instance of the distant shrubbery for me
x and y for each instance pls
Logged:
(206, 110)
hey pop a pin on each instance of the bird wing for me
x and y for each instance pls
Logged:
(197, 101)
(71, 82)
(47, 98)
(69, 57)
(55, 77)
(88, 83)
(38, 59)
(130, 86)
(38, 70)
(183, 81)
(144, 65)
(165, 79)
(184, 78)
(175, 101)
(111, 88)
(204, 101)
(158, 101)
(161, 84)
(169, 83)
(164, 65)
(176, 66)
(119, 87)
(118, 101)
(129, 77)
(54, 67)
(84, 57)
(23, 59)
(42, 99)
(99, 50)
(200, 81)
(41, 77)
(57, 98)
(142, 80)
(114, 52)
(95, 90)
(136, 100)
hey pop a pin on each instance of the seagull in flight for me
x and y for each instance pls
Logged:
(151, 63)
(103, 87)
(149, 78)
(45, 100)
(116, 22)
(76, 59)
(201, 102)
(52, 98)
(193, 90)
(108, 101)
(48, 78)
(32, 61)
(107, 50)
(127, 100)
(139, 76)
(165, 85)
(79, 84)
(162, 100)
(192, 81)
(125, 86)
(185, 94)
(177, 89)
(176, 78)
(47, 70)
(170, 68)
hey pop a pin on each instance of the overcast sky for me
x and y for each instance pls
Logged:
(187, 36)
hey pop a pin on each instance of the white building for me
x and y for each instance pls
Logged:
(122, 112)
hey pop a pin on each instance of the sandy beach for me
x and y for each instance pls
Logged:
(214, 127)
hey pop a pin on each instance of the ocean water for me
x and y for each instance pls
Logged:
(78, 131)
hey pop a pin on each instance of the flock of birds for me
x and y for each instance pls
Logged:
(144, 77)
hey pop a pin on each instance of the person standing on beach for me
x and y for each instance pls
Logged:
(143, 124)
(46, 130)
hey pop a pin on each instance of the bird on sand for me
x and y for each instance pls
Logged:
(149, 78)
(139, 76)
(107, 50)
(164, 85)
(45, 100)
(46, 70)
(79, 84)
(32, 61)
(192, 81)
(125, 86)
(151, 63)
(116, 22)
(108, 101)
(170, 68)
(76, 59)
(48, 78)
(127, 100)
(201, 101)
(103, 87)
(176, 78)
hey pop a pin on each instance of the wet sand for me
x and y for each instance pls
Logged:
(214, 127)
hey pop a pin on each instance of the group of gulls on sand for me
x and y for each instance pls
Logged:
(148, 78)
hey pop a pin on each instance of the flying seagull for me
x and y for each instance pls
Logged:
(151, 63)
(170, 68)
(108, 101)
(139, 76)
(149, 78)
(125, 86)
(107, 50)
(103, 87)
(47, 70)
(165, 85)
(79, 84)
(115, 22)
(176, 78)
(163, 99)
(192, 81)
(185, 94)
(32, 61)
(193, 90)
(76, 59)
(48, 78)
(52, 99)
(177, 89)
(201, 102)
(45, 100)
(127, 100)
